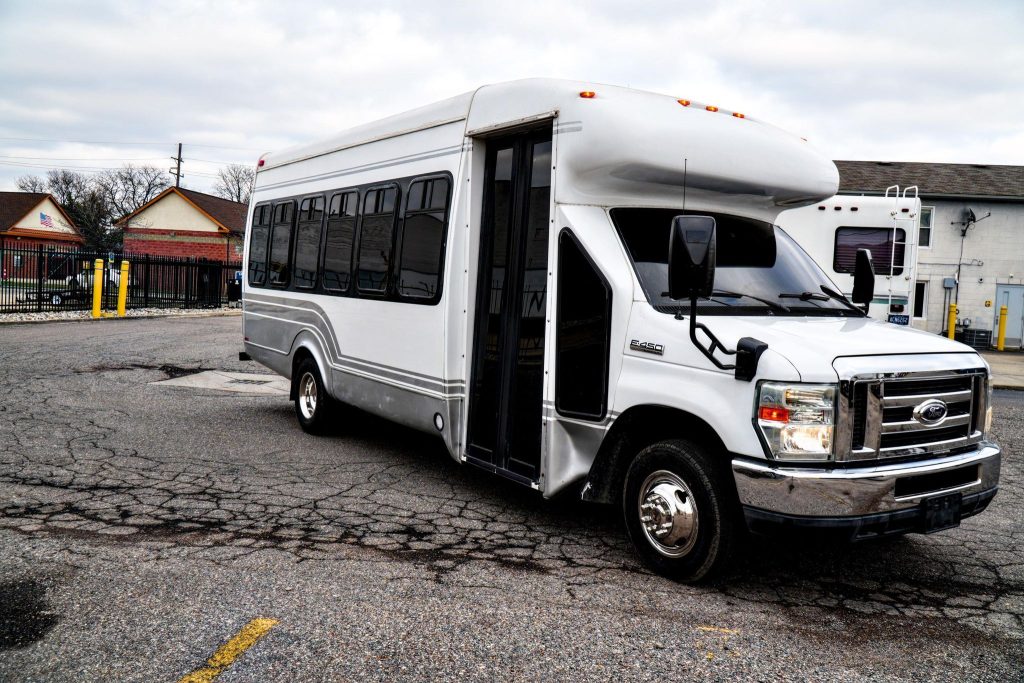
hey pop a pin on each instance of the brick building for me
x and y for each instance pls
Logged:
(986, 254)
(180, 222)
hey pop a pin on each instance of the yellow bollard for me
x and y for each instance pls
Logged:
(122, 290)
(951, 322)
(1001, 338)
(97, 288)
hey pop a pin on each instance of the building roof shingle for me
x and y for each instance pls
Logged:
(226, 212)
(934, 180)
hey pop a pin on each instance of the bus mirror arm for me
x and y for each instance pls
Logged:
(691, 273)
(748, 349)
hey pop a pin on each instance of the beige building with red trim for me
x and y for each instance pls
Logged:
(31, 219)
(186, 223)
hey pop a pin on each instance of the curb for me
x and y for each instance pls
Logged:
(212, 314)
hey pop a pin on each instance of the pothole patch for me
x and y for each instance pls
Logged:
(235, 382)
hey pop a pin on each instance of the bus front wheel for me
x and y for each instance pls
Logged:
(678, 512)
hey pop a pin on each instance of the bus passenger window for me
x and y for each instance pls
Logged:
(419, 273)
(376, 239)
(341, 231)
(258, 234)
(307, 241)
(280, 242)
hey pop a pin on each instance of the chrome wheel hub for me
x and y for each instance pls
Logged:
(668, 514)
(307, 395)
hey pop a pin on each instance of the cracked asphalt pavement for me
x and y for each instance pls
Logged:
(142, 525)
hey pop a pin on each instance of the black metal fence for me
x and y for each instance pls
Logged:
(38, 278)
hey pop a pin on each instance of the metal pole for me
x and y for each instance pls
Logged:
(122, 289)
(97, 288)
(951, 322)
(1001, 338)
(39, 278)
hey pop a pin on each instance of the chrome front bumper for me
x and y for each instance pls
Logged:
(768, 491)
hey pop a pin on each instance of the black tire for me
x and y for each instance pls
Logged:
(699, 546)
(314, 416)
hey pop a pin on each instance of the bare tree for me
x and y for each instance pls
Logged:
(82, 199)
(235, 182)
(128, 188)
(31, 183)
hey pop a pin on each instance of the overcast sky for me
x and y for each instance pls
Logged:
(907, 81)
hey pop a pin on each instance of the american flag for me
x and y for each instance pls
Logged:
(45, 220)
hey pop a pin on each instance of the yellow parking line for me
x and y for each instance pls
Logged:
(227, 653)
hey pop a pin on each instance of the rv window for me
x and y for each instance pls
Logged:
(307, 241)
(341, 230)
(876, 240)
(423, 239)
(280, 242)
(258, 245)
(376, 239)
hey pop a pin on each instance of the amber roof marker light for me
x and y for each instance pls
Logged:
(739, 115)
(711, 107)
(685, 103)
(588, 94)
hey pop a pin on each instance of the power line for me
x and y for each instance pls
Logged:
(126, 142)
(4, 156)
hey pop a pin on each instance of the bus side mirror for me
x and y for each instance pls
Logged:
(863, 279)
(691, 257)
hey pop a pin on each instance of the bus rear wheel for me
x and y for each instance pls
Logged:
(678, 511)
(313, 405)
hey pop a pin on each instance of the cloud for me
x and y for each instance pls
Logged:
(912, 81)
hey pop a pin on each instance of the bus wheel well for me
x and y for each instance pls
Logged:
(301, 354)
(634, 430)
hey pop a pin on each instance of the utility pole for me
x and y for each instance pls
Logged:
(176, 172)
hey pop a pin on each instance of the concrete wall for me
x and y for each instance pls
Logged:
(993, 253)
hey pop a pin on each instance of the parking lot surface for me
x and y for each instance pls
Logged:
(150, 530)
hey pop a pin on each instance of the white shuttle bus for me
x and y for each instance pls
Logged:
(582, 288)
(833, 230)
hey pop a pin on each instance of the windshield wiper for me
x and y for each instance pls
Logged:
(774, 305)
(842, 299)
(805, 296)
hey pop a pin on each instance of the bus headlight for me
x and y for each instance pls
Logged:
(797, 420)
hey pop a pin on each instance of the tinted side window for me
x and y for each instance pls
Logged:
(582, 333)
(258, 234)
(376, 239)
(280, 242)
(419, 270)
(876, 240)
(307, 241)
(341, 231)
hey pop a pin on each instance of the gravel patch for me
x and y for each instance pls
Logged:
(52, 316)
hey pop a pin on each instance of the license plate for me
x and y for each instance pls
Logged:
(899, 319)
(942, 512)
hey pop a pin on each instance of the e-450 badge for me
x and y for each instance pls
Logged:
(647, 347)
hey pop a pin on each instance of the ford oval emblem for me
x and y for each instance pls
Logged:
(931, 412)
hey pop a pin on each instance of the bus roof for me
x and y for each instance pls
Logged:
(619, 143)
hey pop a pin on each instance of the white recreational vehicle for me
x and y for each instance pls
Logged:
(582, 288)
(833, 230)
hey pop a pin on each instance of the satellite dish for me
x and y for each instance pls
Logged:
(971, 218)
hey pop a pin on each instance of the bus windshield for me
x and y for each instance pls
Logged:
(760, 269)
